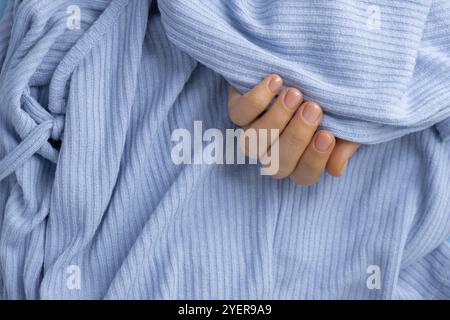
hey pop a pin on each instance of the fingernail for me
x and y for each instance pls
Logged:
(323, 142)
(292, 99)
(311, 113)
(275, 84)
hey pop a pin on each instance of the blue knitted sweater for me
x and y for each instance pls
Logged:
(92, 206)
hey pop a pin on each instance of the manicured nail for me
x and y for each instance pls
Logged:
(292, 98)
(323, 142)
(275, 84)
(311, 113)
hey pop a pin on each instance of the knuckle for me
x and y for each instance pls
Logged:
(297, 140)
(312, 167)
(256, 101)
(278, 120)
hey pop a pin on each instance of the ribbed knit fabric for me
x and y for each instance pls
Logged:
(86, 117)
(2, 7)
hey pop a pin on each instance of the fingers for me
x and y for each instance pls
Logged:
(314, 160)
(303, 154)
(296, 137)
(276, 118)
(342, 152)
(243, 109)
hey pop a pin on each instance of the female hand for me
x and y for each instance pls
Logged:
(304, 152)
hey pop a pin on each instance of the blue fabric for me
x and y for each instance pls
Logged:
(88, 184)
(2, 7)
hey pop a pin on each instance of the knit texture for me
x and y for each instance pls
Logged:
(2, 7)
(87, 180)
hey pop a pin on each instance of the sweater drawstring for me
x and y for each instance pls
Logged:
(36, 141)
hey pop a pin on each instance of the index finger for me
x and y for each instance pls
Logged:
(243, 109)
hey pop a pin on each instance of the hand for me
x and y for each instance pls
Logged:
(304, 154)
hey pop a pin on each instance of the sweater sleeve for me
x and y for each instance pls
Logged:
(435, 55)
(379, 71)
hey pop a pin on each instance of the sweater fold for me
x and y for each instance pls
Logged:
(380, 70)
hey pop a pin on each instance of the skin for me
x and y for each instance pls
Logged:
(305, 152)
